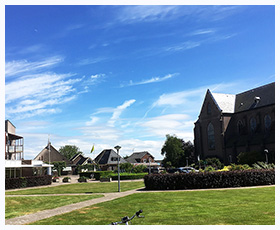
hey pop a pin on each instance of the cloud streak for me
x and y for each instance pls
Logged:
(151, 80)
(13, 68)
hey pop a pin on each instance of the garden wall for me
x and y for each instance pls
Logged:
(210, 179)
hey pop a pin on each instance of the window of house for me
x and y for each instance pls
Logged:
(211, 136)
(267, 122)
(209, 108)
(253, 124)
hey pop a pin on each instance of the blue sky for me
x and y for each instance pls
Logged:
(127, 75)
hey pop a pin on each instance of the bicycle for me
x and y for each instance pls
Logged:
(126, 219)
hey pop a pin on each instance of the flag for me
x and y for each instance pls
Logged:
(92, 149)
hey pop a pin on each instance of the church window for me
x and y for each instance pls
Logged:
(211, 136)
(253, 124)
(267, 122)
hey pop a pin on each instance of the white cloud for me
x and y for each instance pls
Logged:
(31, 90)
(13, 68)
(182, 46)
(152, 80)
(118, 111)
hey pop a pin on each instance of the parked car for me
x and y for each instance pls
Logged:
(188, 169)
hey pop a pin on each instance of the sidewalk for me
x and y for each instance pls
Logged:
(26, 219)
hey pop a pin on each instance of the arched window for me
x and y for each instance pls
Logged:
(253, 124)
(211, 136)
(240, 126)
(209, 108)
(267, 122)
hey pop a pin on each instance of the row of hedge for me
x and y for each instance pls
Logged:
(128, 176)
(210, 179)
(30, 181)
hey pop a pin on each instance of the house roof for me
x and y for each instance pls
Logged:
(54, 155)
(108, 156)
(137, 155)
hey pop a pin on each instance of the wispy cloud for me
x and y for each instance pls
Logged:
(118, 111)
(151, 13)
(16, 67)
(38, 93)
(151, 80)
(90, 61)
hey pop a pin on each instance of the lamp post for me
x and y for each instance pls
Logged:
(118, 148)
(266, 157)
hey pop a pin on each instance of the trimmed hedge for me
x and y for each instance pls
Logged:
(204, 180)
(128, 176)
(98, 174)
(30, 181)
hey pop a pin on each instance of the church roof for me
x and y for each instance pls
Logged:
(225, 102)
(254, 98)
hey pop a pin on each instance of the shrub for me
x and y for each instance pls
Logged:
(82, 179)
(139, 168)
(66, 179)
(128, 176)
(210, 179)
(250, 157)
(214, 162)
(98, 174)
(31, 181)
(87, 174)
(263, 165)
(126, 167)
(234, 167)
(209, 169)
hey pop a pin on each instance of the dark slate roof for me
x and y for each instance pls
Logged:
(108, 156)
(135, 157)
(254, 98)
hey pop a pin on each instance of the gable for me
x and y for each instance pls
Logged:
(209, 102)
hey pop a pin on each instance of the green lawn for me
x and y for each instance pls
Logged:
(19, 206)
(104, 187)
(253, 206)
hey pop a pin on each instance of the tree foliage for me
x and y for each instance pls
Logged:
(69, 151)
(126, 167)
(176, 151)
(59, 166)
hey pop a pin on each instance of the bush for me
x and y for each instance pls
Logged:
(234, 167)
(126, 167)
(209, 169)
(128, 176)
(66, 179)
(98, 174)
(82, 179)
(263, 165)
(204, 180)
(87, 174)
(214, 162)
(31, 181)
(139, 168)
(250, 157)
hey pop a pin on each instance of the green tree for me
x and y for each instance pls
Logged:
(173, 151)
(59, 166)
(69, 151)
(126, 167)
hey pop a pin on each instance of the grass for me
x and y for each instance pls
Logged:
(253, 206)
(19, 206)
(81, 188)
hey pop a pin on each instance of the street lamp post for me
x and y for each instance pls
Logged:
(266, 157)
(119, 186)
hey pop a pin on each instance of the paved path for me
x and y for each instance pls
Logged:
(26, 219)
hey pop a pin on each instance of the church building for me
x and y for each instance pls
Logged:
(229, 124)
